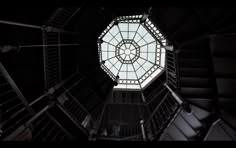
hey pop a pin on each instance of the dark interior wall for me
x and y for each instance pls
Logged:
(28, 15)
(68, 55)
(26, 66)
(89, 26)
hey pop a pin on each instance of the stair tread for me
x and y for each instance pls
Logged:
(193, 62)
(165, 137)
(196, 91)
(223, 45)
(196, 81)
(226, 86)
(192, 120)
(228, 129)
(175, 133)
(200, 113)
(217, 133)
(185, 127)
(193, 54)
(224, 66)
(205, 103)
(185, 30)
(194, 72)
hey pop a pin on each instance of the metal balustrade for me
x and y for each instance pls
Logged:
(14, 109)
(61, 17)
(171, 69)
(39, 127)
(119, 130)
(52, 58)
(162, 115)
(74, 109)
(46, 128)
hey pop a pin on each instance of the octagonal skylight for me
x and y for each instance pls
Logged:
(131, 51)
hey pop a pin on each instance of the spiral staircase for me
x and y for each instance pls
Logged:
(192, 100)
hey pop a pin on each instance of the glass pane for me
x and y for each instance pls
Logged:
(136, 65)
(131, 75)
(148, 38)
(141, 61)
(114, 30)
(124, 35)
(123, 47)
(107, 37)
(111, 48)
(114, 42)
(123, 56)
(144, 49)
(104, 55)
(152, 47)
(118, 37)
(143, 55)
(122, 75)
(117, 65)
(140, 72)
(130, 67)
(111, 54)
(142, 31)
(114, 70)
(131, 35)
(147, 66)
(141, 42)
(123, 26)
(113, 60)
(104, 47)
(133, 26)
(151, 57)
(137, 38)
(108, 64)
(123, 67)
(121, 51)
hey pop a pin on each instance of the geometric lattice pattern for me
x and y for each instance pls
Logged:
(131, 51)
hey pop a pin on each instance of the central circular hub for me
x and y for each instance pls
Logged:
(127, 52)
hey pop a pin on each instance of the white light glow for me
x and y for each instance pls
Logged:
(132, 52)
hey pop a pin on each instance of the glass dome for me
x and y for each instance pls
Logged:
(131, 51)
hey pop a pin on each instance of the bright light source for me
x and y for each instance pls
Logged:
(132, 49)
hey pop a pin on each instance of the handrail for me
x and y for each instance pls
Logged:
(57, 14)
(27, 124)
(117, 138)
(172, 120)
(69, 116)
(153, 113)
(156, 94)
(20, 24)
(208, 132)
(82, 107)
(177, 98)
(101, 116)
(16, 89)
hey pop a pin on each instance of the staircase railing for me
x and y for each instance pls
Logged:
(41, 127)
(74, 109)
(61, 17)
(14, 108)
(172, 68)
(17, 115)
(162, 115)
(52, 31)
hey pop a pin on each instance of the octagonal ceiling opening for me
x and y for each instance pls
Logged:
(131, 51)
